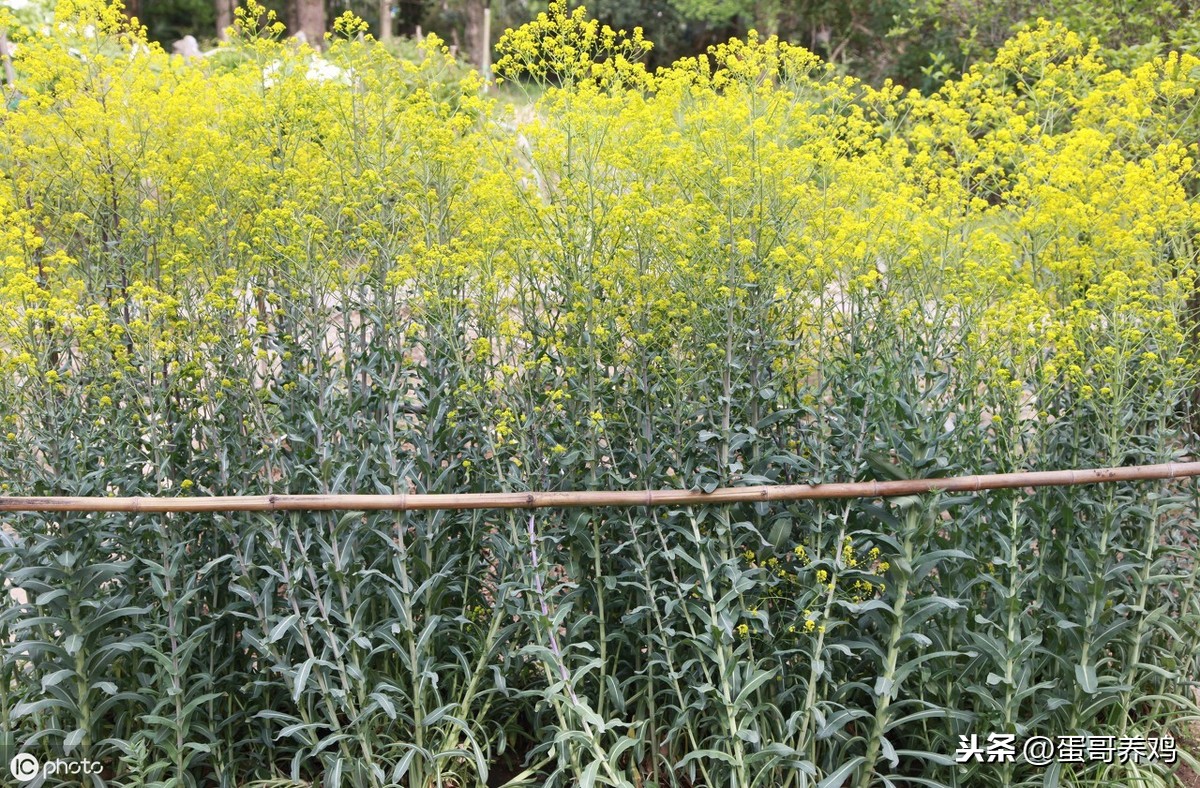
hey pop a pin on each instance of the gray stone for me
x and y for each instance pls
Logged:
(187, 47)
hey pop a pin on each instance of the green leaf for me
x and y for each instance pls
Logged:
(301, 679)
(282, 627)
(588, 778)
(57, 677)
(717, 755)
(839, 776)
(883, 466)
(1086, 676)
(384, 703)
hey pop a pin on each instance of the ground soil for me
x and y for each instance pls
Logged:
(1188, 778)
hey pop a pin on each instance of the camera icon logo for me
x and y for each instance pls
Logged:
(24, 767)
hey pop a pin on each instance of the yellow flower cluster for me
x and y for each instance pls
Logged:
(574, 50)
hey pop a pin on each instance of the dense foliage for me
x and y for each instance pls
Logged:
(274, 272)
(917, 43)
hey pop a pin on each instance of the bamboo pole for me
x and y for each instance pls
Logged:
(599, 498)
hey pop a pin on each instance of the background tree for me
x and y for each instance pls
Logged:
(310, 20)
(917, 43)
(224, 16)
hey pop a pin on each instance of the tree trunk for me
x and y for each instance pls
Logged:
(224, 9)
(385, 20)
(485, 50)
(310, 20)
(766, 18)
(291, 16)
(474, 32)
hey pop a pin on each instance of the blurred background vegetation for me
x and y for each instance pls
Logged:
(917, 43)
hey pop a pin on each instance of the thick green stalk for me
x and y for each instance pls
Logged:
(889, 689)
(82, 680)
(725, 662)
(814, 673)
(668, 652)
(1012, 605)
(1140, 633)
